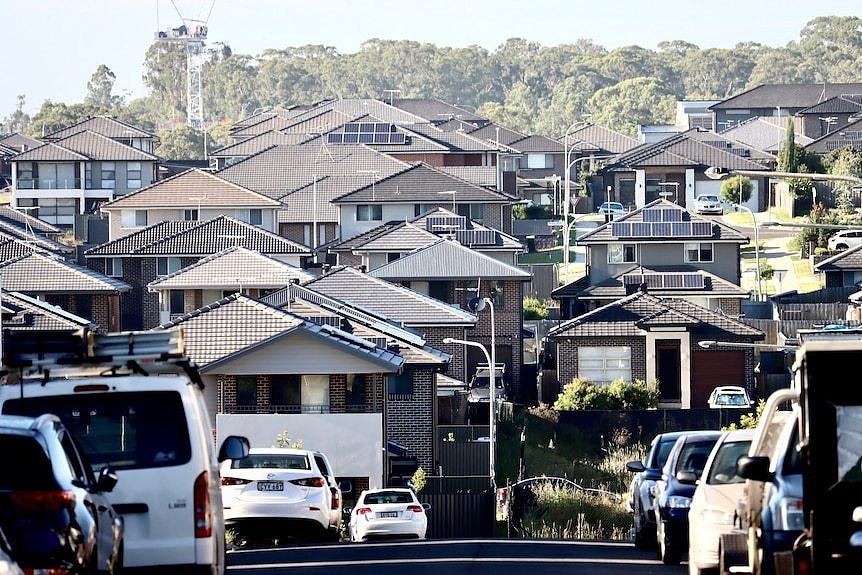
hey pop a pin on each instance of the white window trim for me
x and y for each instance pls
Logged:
(611, 363)
(116, 267)
(622, 253)
(687, 260)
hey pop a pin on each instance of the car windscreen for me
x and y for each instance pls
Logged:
(730, 399)
(272, 461)
(662, 452)
(131, 430)
(723, 470)
(693, 455)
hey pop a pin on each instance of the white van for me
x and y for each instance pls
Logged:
(150, 424)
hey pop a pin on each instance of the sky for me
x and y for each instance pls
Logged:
(52, 47)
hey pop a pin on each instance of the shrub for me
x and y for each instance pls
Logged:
(534, 309)
(620, 394)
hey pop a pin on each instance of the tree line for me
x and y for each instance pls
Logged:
(522, 84)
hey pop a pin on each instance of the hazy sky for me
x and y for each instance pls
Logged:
(52, 47)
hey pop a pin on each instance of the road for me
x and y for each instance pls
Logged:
(452, 557)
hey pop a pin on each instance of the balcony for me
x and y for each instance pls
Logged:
(48, 184)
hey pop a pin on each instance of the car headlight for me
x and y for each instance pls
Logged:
(791, 514)
(678, 502)
(717, 516)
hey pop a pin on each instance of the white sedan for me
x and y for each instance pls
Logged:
(391, 512)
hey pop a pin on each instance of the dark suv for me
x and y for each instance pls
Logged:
(642, 489)
(673, 497)
(53, 509)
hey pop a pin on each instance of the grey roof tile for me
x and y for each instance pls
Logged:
(849, 259)
(601, 139)
(22, 312)
(395, 302)
(684, 149)
(44, 274)
(449, 260)
(766, 133)
(39, 242)
(849, 135)
(83, 146)
(435, 110)
(105, 125)
(25, 221)
(614, 288)
(786, 95)
(259, 143)
(20, 142)
(299, 206)
(843, 104)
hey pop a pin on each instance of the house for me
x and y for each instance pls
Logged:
(75, 289)
(674, 252)
(10, 145)
(166, 247)
(453, 273)
(766, 133)
(831, 115)
(113, 128)
(849, 136)
(653, 339)
(234, 269)
(22, 312)
(678, 164)
(193, 195)
(238, 151)
(843, 269)
(73, 174)
(777, 100)
(268, 371)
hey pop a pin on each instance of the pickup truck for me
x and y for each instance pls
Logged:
(821, 443)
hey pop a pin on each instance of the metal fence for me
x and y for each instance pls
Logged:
(459, 515)
(546, 278)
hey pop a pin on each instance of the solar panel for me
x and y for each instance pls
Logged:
(351, 127)
(701, 229)
(396, 138)
(672, 281)
(693, 280)
(334, 138)
(662, 229)
(381, 137)
(621, 229)
(366, 138)
(671, 215)
(351, 138)
(652, 215)
(680, 229)
(369, 128)
(382, 128)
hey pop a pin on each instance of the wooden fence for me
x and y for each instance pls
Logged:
(545, 279)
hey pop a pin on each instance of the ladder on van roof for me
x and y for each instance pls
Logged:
(29, 352)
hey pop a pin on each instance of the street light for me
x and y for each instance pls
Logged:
(567, 193)
(708, 344)
(756, 245)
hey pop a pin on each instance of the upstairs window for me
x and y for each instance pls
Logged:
(108, 176)
(697, 252)
(133, 175)
(369, 213)
(401, 384)
(190, 215)
(165, 266)
(253, 216)
(114, 267)
(134, 218)
(619, 253)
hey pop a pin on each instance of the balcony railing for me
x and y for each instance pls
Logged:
(48, 184)
(305, 408)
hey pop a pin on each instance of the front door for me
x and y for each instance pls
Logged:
(667, 370)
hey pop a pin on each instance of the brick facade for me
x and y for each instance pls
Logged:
(410, 419)
(731, 306)
(567, 355)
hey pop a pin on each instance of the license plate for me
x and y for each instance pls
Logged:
(387, 514)
(270, 485)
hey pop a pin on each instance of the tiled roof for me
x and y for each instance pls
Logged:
(684, 149)
(232, 268)
(421, 183)
(273, 123)
(280, 170)
(299, 206)
(766, 133)
(20, 142)
(843, 104)
(496, 133)
(11, 247)
(786, 95)
(191, 189)
(435, 110)
(25, 221)
(631, 315)
(849, 259)
(259, 143)
(44, 274)
(730, 145)
(105, 125)
(38, 241)
(182, 238)
(355, 107)
(600, 138)
(847, 136)
(396, 302)
(404, 237)
(22, 312)
(720, 231)
(614, 288)
(259, 117)
(438, 139)
(485, 176)
(82, 146)
(448, 260)
(350, 244)
(238, 324)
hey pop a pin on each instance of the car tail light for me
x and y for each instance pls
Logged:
(335, 498)
(310, 482)
(415, 508)
(43, 500)
(234, 481)
(47, 570)
(363, 510)
(791, 514)
(203, 507)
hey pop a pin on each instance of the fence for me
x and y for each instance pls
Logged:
(546, 278)
(459, 515)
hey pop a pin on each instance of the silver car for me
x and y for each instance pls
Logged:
(708, 204)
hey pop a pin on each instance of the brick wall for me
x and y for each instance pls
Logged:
(567, 355)
(730, 305)
(434, 337)
(337, 389)
(345, 259)
(227, 397)
(410, 419)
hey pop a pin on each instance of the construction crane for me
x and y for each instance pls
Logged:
(192, 33)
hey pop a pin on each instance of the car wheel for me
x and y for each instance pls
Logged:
(841, 247)
(644, 533)
(670, 552)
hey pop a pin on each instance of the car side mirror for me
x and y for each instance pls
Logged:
(755, 468)
(635, 466)
(106, 480)
(233, 447)
(686, 477)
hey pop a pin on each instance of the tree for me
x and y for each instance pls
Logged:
(832, 46)
(52, 117)
(18, 120)
(165, 76)
(620, 394)
(534, 309)
(181, 143)
(99, 90)
(631, 102)
(736, 189)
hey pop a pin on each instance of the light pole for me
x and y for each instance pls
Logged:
(566, 192)
(756, 244)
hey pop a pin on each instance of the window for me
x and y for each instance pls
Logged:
(252, 216)
(133, 218)
(246, 392)
(698, 252)
(369, 213)
(56, 210)
(190, 215)
(88, 176)
(538, 161)
(315, 394)
(419, 209)
(401, 384)
(109, 176)
(177, 301)
(26, 174)
(133, 175)
(354, 395)
(284, 393)
(605, 364)
(622, 253)
(114, 267)
(165, 266)
(472, 211)
(392, 256)
(495, 293)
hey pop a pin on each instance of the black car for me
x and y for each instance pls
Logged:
(642, 488)
(673, 498)
(53, 509)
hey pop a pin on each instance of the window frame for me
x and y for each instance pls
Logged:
(107, 176)
(687, 250)
(609, 372)
(369, 213)
(622, 247)
(166, 264)
(133, 169)
(114, 267)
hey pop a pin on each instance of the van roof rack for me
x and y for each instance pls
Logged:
(30, 352)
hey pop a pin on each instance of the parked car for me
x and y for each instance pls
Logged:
(642, 488)
(714, 504)
(729, 396)
(844, 239)
(611, 208)
(673, 497)
(52, 506)
(390, 512)
(479, 390)
(295, 488)
(150, 425)
(708, 204)
(8, 566)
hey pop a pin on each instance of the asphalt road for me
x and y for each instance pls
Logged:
(452, 557)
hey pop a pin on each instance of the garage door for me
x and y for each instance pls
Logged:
(709, 369)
